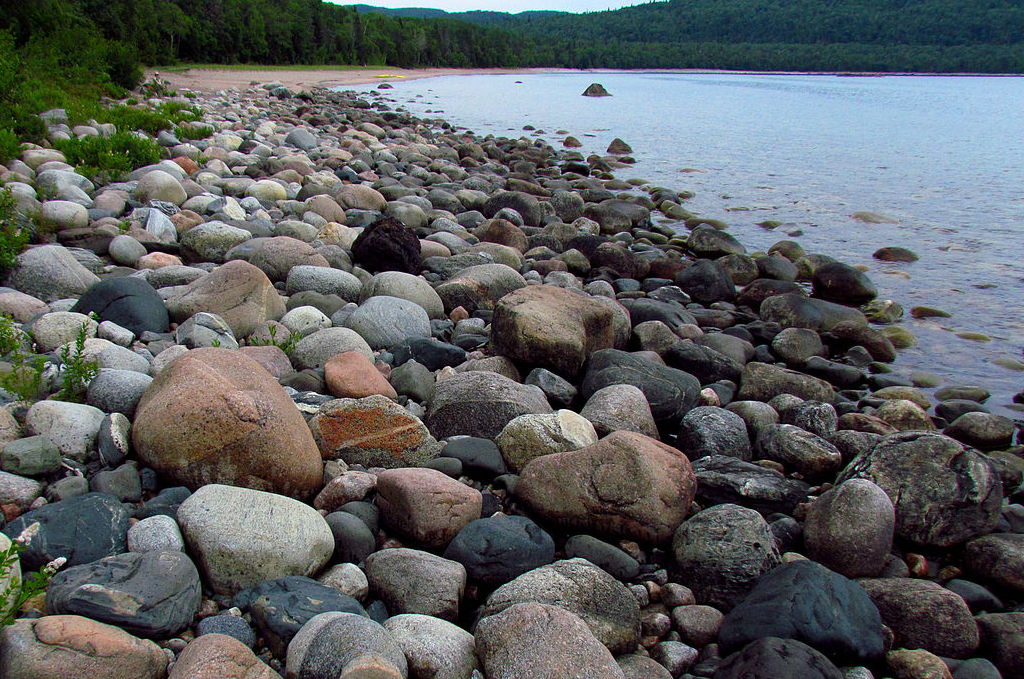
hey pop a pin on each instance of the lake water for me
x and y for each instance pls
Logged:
(942, 155)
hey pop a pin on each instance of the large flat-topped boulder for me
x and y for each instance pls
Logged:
(551, 327)
(216, 416)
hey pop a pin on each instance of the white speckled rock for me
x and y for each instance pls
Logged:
(243, 537)
(433, 647)
(533, 435)
(71, 427)
(322, 279)
(405, 286)
(63, 214)
(52, 330)
(542, 642)
(154, 534)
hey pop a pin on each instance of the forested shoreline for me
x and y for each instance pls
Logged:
(66, 53)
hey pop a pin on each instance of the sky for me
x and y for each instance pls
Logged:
(504, 6)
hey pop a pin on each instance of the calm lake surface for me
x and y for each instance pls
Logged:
(942, 155)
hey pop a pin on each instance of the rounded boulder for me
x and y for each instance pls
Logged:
(216, 416)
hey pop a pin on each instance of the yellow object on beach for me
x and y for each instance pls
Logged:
(388, 75)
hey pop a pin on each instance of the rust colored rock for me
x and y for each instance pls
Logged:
(626, 485)
(59, 646)
(216, 416)
(218, 656)
(187, 164)
(374, 432)
(426, 506)
(352, 375)
(237, 291)
(551, 327)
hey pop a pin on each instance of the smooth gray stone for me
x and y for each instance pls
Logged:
(150, 594)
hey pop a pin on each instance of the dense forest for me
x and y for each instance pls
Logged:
(265, 32)
(827, 35)
(66, 52)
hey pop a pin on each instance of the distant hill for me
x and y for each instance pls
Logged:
(798, 35)
(412, 12)
(826, 35)
(479, 17)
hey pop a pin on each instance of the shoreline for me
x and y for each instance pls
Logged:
(409, 420)
(205, 79)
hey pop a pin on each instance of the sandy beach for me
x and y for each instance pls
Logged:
(212, 79)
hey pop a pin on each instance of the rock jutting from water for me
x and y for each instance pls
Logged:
(379, 397)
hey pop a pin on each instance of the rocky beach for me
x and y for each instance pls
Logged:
(378, 398)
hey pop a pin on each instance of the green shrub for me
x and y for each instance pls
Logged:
(17, 591)
(287, 344)
(179, 112)
(128, 119)
(24, 378)
(187, 132)
(111, 156)
(123, 66)
(10, 145)
(14, 235)
(76, 373)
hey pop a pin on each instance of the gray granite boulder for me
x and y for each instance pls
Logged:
(721, 552)
(576, 585)
(433, 647)
(707, 430)
(82, 529)
(149, 594)
(923, 614)
(480, 404)
(542, 641)
(335, 645)
(386, 321)
(414, 581)
(50, 272)
(850, 527)
(944, 493)
(243, 537)
(805, 601)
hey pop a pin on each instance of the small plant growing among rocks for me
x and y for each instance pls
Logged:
(25, 376)
(77, 373)
(287, 345)
(13, 234)
(109, 157)
(18, 590)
